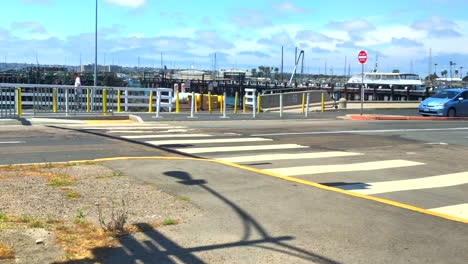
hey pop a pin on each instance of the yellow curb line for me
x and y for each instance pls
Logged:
(288, 178)
(108, 121)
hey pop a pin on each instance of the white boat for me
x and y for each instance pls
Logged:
(382, 80)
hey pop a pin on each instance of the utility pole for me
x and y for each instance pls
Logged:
(282, 62)
(96, 45)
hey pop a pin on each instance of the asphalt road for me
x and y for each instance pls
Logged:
(38, 144)
(345, 191)
(216, 115)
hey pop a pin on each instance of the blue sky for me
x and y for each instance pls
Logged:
(243, 33)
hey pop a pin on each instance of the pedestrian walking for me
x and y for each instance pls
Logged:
(77, 90)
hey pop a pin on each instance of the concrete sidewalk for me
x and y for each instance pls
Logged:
(251, 217)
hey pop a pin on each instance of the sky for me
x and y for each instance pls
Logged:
(243, 33)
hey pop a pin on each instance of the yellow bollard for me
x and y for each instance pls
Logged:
(235, 102)
(20, 104)
(243, 104)
(323, 102)
(88, 100)
(177, 104)
(104, 101)
(54, 100)
(118, 101)
(303, 102)
(220, 101)
(209, 102)
(196, 104)
(258, 104)
(150, 104)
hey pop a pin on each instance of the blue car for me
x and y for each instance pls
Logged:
(448, 102)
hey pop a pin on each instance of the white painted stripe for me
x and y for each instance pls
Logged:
(459, 210)
(146, 131)
(13, 142)
(288, 156)
(207, 141)
(240, 148)
(119, 124)
(168, 136)
(366, 166)
(363, 131)
(135, 128)
(408, 185)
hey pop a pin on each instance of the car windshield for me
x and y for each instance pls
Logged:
(446, 94)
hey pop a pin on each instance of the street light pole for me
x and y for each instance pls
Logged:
(435, 67)
(95, 46)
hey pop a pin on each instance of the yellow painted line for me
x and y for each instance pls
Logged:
(108, 121)
(365, 166)
(288, 178)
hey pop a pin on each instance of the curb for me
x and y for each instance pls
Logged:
(390, 117)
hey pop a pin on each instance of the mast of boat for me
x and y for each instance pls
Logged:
(376, 67)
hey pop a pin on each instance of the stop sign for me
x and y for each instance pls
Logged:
(362, 57)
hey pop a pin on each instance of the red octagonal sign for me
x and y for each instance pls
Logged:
(362, 57)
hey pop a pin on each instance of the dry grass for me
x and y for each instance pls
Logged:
(79, 240)
(6, 251)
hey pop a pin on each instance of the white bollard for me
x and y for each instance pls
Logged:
(254, 106)
(192, 106)
(158, 103)
(224, 105)
(281, 104)
(126, 100)
(66, 101)
(307, 105)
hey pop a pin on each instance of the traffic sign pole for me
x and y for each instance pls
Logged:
(362, 58)
(362, 89)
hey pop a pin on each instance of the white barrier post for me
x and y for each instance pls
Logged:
(192, 106)
(281, 104)
(224, 105)
(66, 101)
(126, 100)
(307, 105)
(254, 105)
(158, 103)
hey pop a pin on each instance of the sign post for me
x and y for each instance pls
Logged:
(362, 58)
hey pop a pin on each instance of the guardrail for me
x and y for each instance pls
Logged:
(69, 100)
(41, 99)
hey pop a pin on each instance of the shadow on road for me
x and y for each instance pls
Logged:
(157, 248)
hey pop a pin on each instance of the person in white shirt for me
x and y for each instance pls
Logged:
(77, 80)
(77, 89)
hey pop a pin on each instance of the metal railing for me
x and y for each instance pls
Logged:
(8, 102)
(70, 100)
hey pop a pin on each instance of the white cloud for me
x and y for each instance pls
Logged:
(127, 3)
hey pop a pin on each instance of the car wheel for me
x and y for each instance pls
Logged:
(425, 115)
(451, 113)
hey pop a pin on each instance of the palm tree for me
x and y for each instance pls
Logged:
(444, 73)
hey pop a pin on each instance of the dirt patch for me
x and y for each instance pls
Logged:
(48, 204)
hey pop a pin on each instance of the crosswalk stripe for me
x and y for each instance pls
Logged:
(134, 128)
(207, 141)
(126, 125)
(240, 148)
(168, 136)
(288, 156)
(458, 210)
(145, 131)
(366, 166)
(408, 185)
